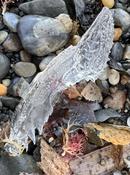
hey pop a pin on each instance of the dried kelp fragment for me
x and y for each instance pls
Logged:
(118, 135)
(86, 61)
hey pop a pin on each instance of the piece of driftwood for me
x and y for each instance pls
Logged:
(99, 162)
(84, 61)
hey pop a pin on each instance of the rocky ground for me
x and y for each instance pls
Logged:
(33, 32)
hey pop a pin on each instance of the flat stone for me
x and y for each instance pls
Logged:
(12, 43)
(25, 69)
(4, 65)
(121, 18)
(42, 35)
(3, 36)
(11, 20)
(10, 102)
(45, 61)
(48, 8)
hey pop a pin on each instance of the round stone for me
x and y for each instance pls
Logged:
(108, 3)
(42, 35)
(4, 65)
(25, 69)
(114, 77)
(117, 51)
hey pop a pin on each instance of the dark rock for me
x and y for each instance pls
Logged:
(49, 8)
(4, 65)
(43, 35)
(1, 22)
(11, 20)
(117, 51)
(9, 102)
(12, 43)
(86, 11)
(24, 56)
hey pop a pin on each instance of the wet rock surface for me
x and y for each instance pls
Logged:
(46, 8)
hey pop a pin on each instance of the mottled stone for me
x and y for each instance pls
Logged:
(121, 18)
(42, 35)
(25, 69)
(11, 20)
(12, 43)
(4, 65)
(3, 36)
(49, 8)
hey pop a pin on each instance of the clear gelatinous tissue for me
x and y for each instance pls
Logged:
(84, 61)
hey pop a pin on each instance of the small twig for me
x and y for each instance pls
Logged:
(4, 5)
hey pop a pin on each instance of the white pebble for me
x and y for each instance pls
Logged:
(114, 77)
(6, 82)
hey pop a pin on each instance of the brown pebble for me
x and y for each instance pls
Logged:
(92, 92)
(72, 92)
(108, 3)
(125, 79)
(3, 90)
(117, 34)
(116, 100)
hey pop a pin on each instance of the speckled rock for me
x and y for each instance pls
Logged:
(11, 20)
(25, 69)
(42, 35)
(45, 61)
(12, 43)
(121, 18)
(4, 65)
(3, 36)
(49, 8)
(114, 77)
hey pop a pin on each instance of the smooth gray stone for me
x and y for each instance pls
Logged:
(121, 18)
(11, 20)
(4, 65)
(25, 69)
(42, 35)
(51, 8)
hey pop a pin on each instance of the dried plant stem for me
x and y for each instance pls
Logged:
(4, 5)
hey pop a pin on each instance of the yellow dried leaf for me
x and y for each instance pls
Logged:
(117, 135)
